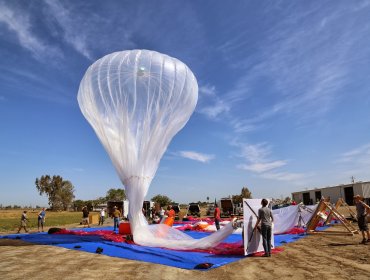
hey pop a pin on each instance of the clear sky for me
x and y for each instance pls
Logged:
(283, 94)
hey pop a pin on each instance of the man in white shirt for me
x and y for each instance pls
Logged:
(102, 216)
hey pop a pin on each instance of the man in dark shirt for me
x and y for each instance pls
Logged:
(266, 219)
(362, 210)
(85, 216)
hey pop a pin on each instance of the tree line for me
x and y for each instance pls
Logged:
(61, 196)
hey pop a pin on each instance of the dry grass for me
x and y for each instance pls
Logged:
(10, 219)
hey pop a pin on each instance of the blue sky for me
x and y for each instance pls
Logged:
(283, 94)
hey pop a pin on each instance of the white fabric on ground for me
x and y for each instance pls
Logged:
(286, 218)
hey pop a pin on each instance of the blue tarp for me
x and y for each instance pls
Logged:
(181, 259)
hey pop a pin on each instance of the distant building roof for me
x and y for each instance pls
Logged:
(329, 187)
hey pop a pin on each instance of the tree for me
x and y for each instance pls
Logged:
(59, 191)
(238, 198)
(78, 204)
(115, 195)
(66, 196)
(99, 201)
(245, 193)
(161, 199)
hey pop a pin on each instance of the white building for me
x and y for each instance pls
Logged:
(346, 192)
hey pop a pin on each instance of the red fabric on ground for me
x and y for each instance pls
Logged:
(295, 230)
(276, 250)
(235, 249)
(232, 249)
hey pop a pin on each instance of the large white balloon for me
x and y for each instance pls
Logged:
(136, 101)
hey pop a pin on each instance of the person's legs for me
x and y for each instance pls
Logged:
(217, 223)
(264, 239)
(366, 229)
(115, 224)
(268, 240)
(40, 223)
(362, 225)
(23, 225)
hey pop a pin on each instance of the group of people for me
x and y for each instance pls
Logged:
(163, 216)
(40, 221)
(116, 214)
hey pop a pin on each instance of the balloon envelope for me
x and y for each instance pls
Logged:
(136, 101)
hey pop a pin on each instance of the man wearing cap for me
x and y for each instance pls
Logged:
(116, 215)
(362, 210)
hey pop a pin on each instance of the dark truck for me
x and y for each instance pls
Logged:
(176, 207)
(227, 207)
(193, 209)
(210, 209)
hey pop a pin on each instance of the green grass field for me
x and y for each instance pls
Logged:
(10, 219)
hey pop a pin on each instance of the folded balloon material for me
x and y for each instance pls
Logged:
(136, 101)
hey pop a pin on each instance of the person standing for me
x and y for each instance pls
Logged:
(362, 210)
(217, 216)
(116, 216)
(101, 217)
(24, 220)
(266, 218)
(171, 214)
(85, 216)
(41, 220)
(161, 213)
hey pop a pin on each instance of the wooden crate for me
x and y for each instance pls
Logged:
(93, 218)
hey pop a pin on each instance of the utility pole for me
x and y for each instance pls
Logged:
(352, 179)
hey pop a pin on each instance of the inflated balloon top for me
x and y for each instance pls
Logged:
(136, 101)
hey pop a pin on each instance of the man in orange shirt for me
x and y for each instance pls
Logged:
(171, 216)
(217, 216)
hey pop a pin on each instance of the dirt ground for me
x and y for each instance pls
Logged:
(315, 256)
